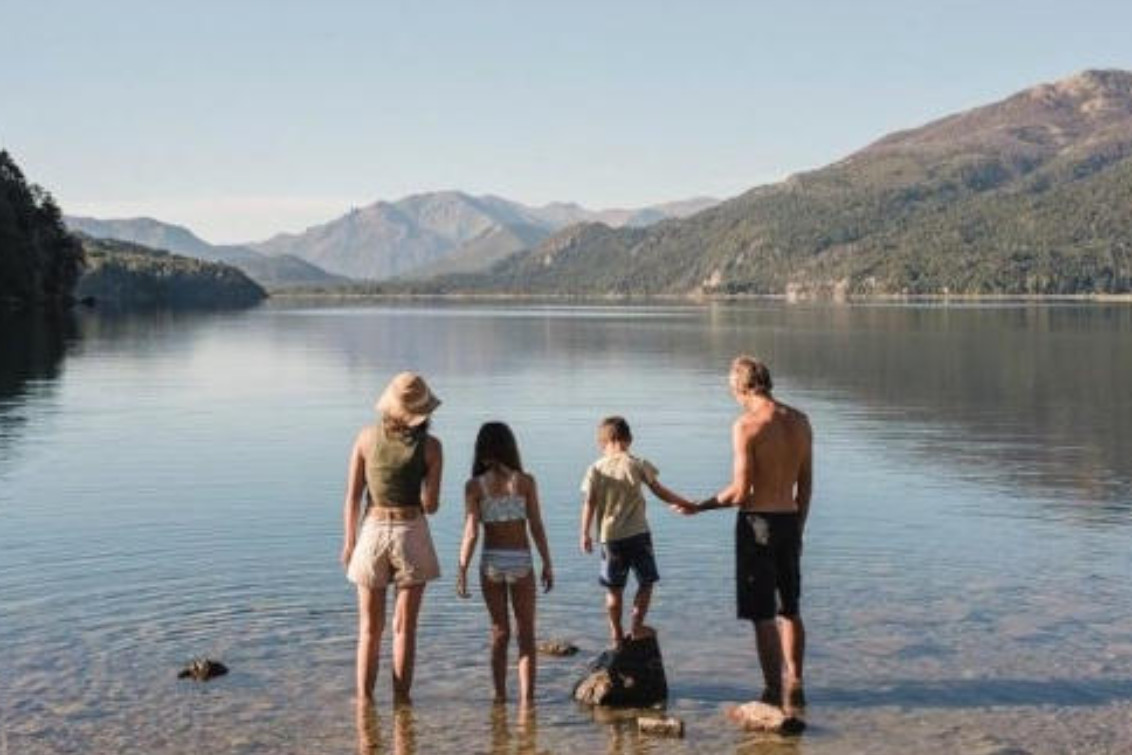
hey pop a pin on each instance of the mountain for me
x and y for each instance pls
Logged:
(271, 272)
(123, 274)
(447, 231)
(1029, 195)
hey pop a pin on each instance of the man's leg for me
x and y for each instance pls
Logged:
(793, 651)
(770, 659)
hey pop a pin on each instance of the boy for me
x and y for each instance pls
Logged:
(611, 493)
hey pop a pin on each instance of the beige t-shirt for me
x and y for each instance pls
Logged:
(619, 505)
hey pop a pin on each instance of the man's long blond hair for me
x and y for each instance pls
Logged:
(752, 376)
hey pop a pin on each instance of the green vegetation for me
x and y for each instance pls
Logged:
(39, 261)
(128, 275)
(1032, 195)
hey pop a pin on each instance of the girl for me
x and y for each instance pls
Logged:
(504, 499)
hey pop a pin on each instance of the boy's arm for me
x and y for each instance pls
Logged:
(585, 541)
(677, 501)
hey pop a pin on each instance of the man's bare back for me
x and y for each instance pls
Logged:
(777, 440)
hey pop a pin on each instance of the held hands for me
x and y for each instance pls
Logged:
(684, 508)
(547, 578)
(462, 582)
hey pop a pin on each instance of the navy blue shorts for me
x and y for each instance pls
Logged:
(768, 575)
(619, 556)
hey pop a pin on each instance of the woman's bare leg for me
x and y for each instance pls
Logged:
(405, 641)
(495, 596)
(371, 623)
(523, 604)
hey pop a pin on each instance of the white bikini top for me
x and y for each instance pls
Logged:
(509, 507)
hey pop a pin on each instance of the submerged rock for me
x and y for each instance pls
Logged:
(203, 669)
(629, 676)
(662, 726)
(759, 716)
(559, 648)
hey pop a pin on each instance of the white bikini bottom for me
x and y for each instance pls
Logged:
(499, 565)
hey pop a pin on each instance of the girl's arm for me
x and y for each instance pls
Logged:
(538, 533)
(434, 463)
(471, 535)
(355, 484)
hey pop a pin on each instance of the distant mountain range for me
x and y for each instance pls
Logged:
(1030, 195)
(283, 271)
(418, 236)
(446, 231)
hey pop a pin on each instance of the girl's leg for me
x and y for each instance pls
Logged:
(371, 622)
(495, 596)
(523, 604)
(405, 641)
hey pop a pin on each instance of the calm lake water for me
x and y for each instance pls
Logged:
(170, 486)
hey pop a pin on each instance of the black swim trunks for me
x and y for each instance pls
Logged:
(768, 575)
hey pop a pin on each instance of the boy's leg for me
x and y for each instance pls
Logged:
(640, 609)
(613, 608)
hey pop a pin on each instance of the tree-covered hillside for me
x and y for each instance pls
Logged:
(39, 260)
(1031, 195)
(128, 275)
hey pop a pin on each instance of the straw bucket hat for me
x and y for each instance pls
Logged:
(407, 399)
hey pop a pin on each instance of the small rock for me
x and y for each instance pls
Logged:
(664, 726)
(630, 676)
(559, 648)
(203, 669)
(758, 716)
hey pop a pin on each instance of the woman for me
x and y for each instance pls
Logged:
(395, 469)
(504, 499)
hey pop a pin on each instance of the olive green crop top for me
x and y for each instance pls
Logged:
(396, 469)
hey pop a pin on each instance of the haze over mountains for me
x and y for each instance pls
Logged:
(419, 236)
(1032, 194)
(447, 231)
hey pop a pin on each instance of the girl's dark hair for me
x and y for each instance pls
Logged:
(495, 446)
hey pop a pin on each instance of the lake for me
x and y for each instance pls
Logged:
(171, 486)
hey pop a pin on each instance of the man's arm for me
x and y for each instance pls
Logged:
(804, 485)
(736, 493)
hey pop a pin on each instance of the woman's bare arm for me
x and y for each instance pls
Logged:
(355, 485)
(434, 464)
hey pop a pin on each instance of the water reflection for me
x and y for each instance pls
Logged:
(370, 738)
(32, 348)
(1033, 398)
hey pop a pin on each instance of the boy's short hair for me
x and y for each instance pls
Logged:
(614, 429)
(752, 376)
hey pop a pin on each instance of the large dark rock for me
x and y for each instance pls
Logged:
(630, 676)
(203, 669)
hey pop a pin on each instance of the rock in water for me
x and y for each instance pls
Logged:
(203, 669)
(630, 676)
(664, 726)
(559, 648)
(758, 716)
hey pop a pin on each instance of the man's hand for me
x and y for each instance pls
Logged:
(586, 543)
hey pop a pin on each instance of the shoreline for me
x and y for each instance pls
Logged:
(284, 295)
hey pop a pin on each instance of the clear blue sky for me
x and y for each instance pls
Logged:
(247, 117)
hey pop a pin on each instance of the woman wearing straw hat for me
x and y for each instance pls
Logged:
(395, 471)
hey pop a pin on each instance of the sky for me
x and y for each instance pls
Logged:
(245, 118)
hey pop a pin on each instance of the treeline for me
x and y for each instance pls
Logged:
(40, 262)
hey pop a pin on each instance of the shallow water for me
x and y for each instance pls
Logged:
(170, 486)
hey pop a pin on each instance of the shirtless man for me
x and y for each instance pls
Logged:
(771, 485)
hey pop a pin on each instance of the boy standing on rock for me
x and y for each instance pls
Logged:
(611, 494)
